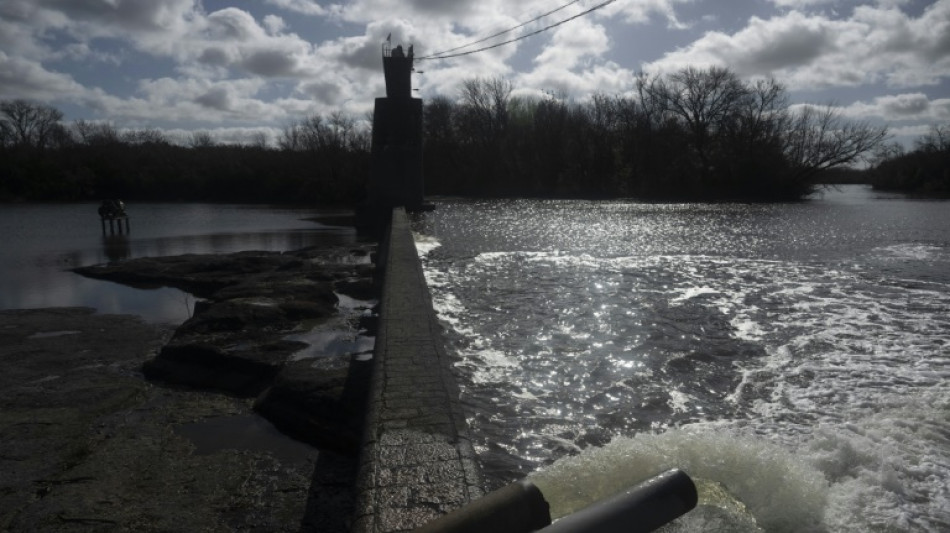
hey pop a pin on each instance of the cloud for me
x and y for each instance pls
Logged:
(216, 98)
(570, 44)
(902, 107)
(245, 63)
(147, 15)
(22, 78)
(799, 4)
(304, 7)
(272, 62)
(463, 11)
(806, 51)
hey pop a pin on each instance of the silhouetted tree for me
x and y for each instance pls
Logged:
(924, 170)
(29, 125)
(819, 139)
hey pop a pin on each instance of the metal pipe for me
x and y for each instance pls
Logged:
(639, 509)
(521, 508)
(516, 508)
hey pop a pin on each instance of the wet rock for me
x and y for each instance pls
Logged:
(305, 310)
(252, 300)
(360, 289)
(88, 445)
(242, 370)
(308, 400)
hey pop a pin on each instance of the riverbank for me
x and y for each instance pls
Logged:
(88, 443)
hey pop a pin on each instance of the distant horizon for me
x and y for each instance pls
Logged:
(236, 70)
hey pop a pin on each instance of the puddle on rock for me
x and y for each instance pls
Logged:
(331, 342)
(339, 336)
(243, 432)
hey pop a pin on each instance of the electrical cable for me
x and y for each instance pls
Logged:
(509, 30)
(444, 55)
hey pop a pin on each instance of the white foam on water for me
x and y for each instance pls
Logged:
(492, 366)
(679, 401)
(836, 479)
(691, 292)
(858, 384)
(763, 483)
(350, 304)
(909, 250)
(843, 424)
(425, 243)
(746, 328)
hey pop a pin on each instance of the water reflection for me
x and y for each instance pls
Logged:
(43, 242)
(116, 247)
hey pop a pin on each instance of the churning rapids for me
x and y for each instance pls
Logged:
(793, 358)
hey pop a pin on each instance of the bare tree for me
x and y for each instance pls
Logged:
(202, 139)
(145, 136)
(258, 140)
(485, 106)
(819, 139)
(764, 111)
(96, 133)
(342, 130)
(290, 137)
(703, 100)
(27, 124)
(936, 140)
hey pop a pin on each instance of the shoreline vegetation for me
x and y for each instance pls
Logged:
(690, 135)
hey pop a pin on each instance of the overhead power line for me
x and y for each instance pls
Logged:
(502, 32)
(445, 54)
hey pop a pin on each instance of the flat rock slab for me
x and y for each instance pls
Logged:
(86, 444)
(236, 340)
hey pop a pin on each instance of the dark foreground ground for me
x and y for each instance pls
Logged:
(87, 443)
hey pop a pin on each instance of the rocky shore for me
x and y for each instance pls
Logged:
(109, 423)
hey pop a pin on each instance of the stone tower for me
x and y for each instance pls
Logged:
(396, 176)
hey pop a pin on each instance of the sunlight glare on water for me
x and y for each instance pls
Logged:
(792, 357)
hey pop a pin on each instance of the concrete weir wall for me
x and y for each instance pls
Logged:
(417, 461)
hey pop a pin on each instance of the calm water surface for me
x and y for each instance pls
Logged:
(41, 242)
(793, 358)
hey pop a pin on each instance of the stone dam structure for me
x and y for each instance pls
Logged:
(417, 462)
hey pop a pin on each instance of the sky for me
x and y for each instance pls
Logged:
(235, 69)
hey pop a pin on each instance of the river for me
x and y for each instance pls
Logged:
(793, 358)
(41, 242)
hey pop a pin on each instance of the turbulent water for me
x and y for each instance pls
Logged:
(793, 359)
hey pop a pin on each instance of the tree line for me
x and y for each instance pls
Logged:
(693, 134)
(924, 170)
(317, 160)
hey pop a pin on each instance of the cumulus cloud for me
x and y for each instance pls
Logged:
(643, 11)
(305, 7)
(129, 15)
(799, 4)
(901, 107)
(244, 63)
(874, 44)
(216, 98)
(21, 78)
(570, 44)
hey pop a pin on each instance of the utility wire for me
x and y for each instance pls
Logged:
(444, 55)
(502, 32)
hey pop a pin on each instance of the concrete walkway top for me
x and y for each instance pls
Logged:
(417, 461)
